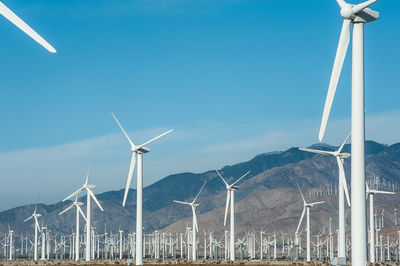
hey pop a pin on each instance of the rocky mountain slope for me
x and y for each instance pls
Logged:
(268, 198)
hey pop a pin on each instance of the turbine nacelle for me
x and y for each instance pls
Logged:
(140, 149)
(358, 13)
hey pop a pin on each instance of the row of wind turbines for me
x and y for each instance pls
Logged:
(354, 17)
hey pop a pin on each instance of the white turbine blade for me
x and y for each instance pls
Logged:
(344, 143)
(182, 202)
(301, 219)
(123, 130)
(11, 16)
(342, 175)
(341, 3)
(366, 183)
(228, 195)
(195, 219)
(95, 199)
(240, 178)
(199, 192)
(81, 212)
(337, 68)
(67, 209)
(222, 178)
(317, 151)
(316, 203)
(301, 193)
(362, 6)
(129, 179)
(153, 139)
(381, 192)
(37, 223)
(73, 194)
(27, 219)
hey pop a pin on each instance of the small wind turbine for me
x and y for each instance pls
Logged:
(358, 15)
(137, 151)
(230, 199)
(340, 156)
(371, 193)
(306, 207)
(78, 205)
(37, 228)
(195, 228)
(89, 194)
(13, 18)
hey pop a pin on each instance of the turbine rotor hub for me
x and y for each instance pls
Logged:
(347, 12)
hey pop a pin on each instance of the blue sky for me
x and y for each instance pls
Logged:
(234, 78)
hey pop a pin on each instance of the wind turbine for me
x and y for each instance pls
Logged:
(37, 227)
(306, 207)
(78, 205)
(371, 193)
(195, 227)
(89, 194)
(230, 199)
(357, 15)
(340, 156)
(13, 18)
(137, 151)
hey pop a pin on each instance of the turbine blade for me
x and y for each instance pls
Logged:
(228, 195)
(37, 223)
(240, 178)
(222, 178)
(341, 3)
(153, 139)
(128, 181)
(342, 176)
(13, 18)
(95, 199)
(344, 142)
(27, 219)
(317, 151)
(81, 212)
(73, 194)
(301, 219)
(199, 192)
(337, 68)
(366, 183)
(182, 202)
(362, 6)
(316, 203)
(381, 192)
(301, 193)
(123, 130)
(67, 209)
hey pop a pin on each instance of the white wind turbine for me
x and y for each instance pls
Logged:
(306, 207)
(230, 200)
(371, 193)
(78, 205)
(195, 228)
(340, 156)
(137, 151)
(13, 18)
(37, 227)
(89, 194)
(357, 15)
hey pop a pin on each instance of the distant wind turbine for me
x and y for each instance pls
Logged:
(230, 199)
(78, 205)
(37, 228)
(137, 151)
(340, 156)
(195, 228)
(306, 207)
(13, 18)
(89, 195)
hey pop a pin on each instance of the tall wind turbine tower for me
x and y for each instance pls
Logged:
(17, 21)
(138, 151)
(230, 199)
(35, 216)
(357, 15)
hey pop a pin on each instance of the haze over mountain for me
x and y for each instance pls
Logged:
(268, 198)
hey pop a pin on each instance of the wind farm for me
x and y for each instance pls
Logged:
(229, 97)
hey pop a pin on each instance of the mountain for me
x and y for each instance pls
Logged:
(267, 198)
